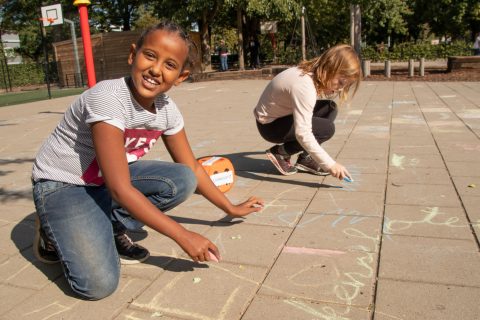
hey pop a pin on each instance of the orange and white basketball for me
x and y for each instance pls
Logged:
(220, 170)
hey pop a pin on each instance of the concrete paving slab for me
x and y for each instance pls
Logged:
(456, 154)
(414, 150)
(201, 291)
(336, 232)
(12, 296)
(434, 195)
(403, 161)
(467, 186)
(432, 260)
(54, 302)
(360, 166)
(464, 168)
(414, 300)
(398, 176)
(348, 203)
(236, 241)
(272, 190)
(471, 205)
(436, 222)
(131, 314)
(25, 271)
(330, 276)
(21, 210)
(356, 153)
(278, 212)
(281, 308)
(16, 237)
(360, 183)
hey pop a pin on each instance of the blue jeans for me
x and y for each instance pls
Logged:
(78, 220)
(223, 63)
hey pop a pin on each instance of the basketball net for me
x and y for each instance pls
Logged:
(50, 20)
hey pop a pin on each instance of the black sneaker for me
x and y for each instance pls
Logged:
(306, 163)
(42, 247)
(281, 162)
(130, 252)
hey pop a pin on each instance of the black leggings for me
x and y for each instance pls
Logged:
(282, 129)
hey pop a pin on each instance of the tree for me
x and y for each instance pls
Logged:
(115, 13)
(382, 18)
(445, 17)
(282, 10)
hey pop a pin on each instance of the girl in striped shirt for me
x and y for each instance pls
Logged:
(88, 186)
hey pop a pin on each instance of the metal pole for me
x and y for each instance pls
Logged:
(5, 60)
(302, 20)
(87, 44)
(352, 25)
(75, 51)
(45, 50)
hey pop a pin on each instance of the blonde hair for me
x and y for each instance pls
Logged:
(340, 60)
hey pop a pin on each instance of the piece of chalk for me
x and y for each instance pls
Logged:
(212, 256)
(348, 179)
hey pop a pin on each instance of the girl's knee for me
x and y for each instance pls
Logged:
(187, 181)
(331, 130)
(97, 285)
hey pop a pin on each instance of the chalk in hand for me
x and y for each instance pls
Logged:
(212, 256)
(348, 179)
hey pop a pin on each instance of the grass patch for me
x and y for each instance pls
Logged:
(10, 99)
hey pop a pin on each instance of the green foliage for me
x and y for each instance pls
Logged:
(26, 74)
(227, 34)
(381, 18)
(409, 50)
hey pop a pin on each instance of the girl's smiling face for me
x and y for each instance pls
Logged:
(157, 65)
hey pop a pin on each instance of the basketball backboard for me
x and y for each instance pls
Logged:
(52, 15)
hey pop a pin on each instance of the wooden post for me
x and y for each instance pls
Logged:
(422, 67)
(388, 69)
(411, 67)
(366, 68)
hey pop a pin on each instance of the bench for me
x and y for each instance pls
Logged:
(463, 63)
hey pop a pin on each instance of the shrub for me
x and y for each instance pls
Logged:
(26, 74)
(408, 50)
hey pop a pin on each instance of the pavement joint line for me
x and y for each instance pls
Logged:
(373, 300)
(476, 237)
(429, 282)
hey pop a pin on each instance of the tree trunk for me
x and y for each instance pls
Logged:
(205, 42)
(358, 29)
(241, 56)
(126, 18)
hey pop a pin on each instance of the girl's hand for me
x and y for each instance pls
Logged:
(339, 171)
(253, 204)
(197, 246)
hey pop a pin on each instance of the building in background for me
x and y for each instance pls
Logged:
(11, 41)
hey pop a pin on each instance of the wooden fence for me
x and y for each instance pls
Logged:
(110, 55)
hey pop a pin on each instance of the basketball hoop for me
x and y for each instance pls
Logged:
(49, 20)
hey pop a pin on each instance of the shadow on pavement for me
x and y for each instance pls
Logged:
(19, 237)
(247, 165)
(22, 236)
